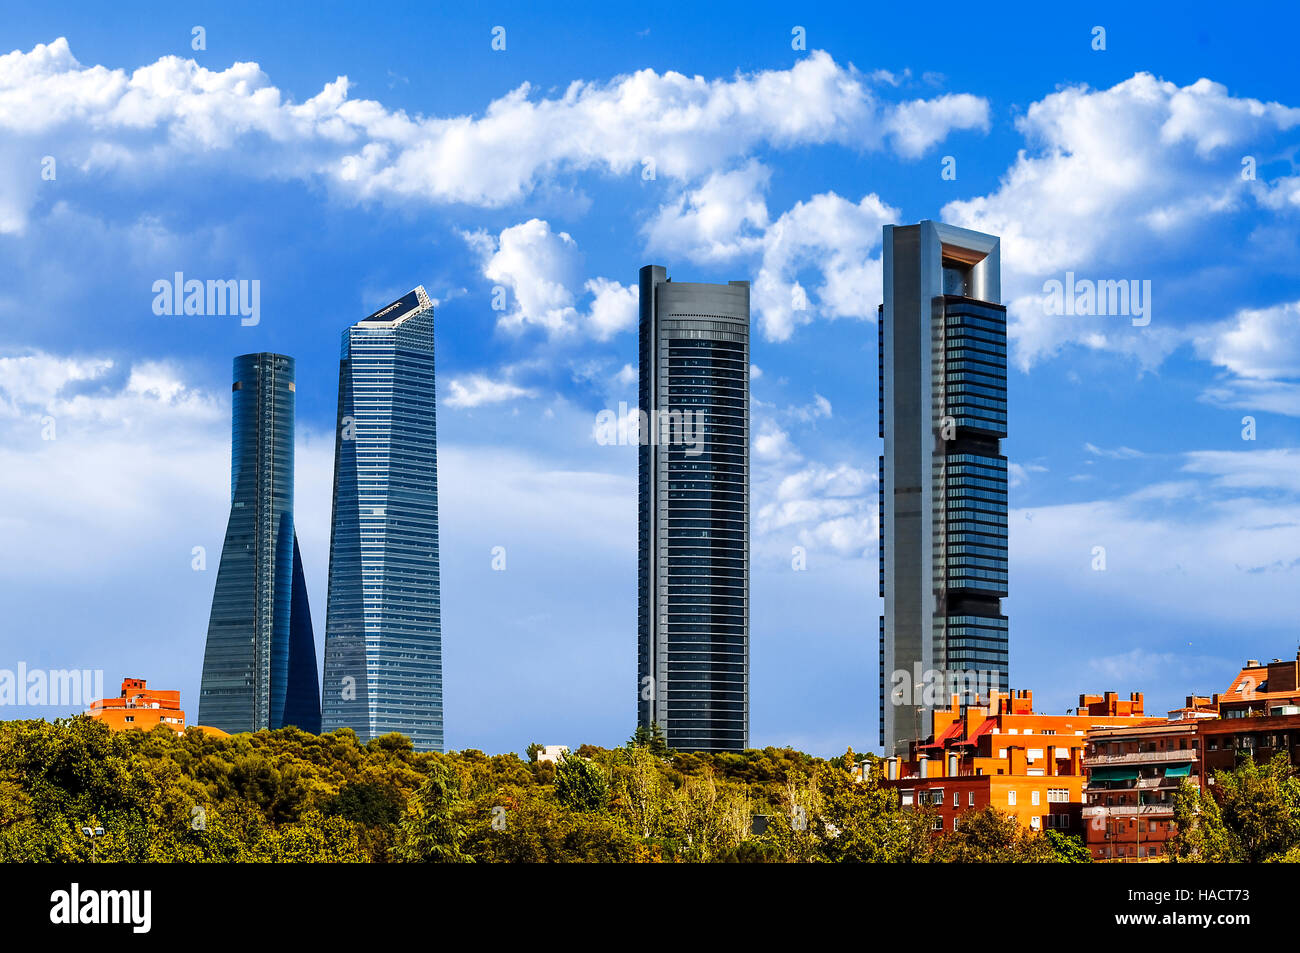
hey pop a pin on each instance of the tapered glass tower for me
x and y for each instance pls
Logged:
(259, 664)
(383, 631)
(943, 477)
(693, 605)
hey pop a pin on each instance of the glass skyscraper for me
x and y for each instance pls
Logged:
(943, 477)
(259, 664)
(693, 605)
(383, 630)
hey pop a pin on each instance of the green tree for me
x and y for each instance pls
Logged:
(1200, 835)
(870, 824)
(709, 818)
(651, 738)
(1068, 848)
(989, 836)
(1260, 805)
(580, 785)
(1250, 814)
(430, 830)
(314, 839)
(640, 792)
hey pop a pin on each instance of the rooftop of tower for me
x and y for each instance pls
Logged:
(390, 316)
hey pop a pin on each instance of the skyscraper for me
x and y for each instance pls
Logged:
(259, 664)
(693, 607)
(383, 631)
(943, 478)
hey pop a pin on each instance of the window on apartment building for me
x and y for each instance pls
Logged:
(954, 823)
(1212, 745)
(938, 824)
(970, 801)
(1011, 798)
(1033, 798)
(956, 799)
(1002, 753)
(1058, 795)
(1029, 731)
(907, 797)
(130, 717)
(1012, 731)
(1035, 823)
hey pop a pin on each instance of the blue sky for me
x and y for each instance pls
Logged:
(443, 162)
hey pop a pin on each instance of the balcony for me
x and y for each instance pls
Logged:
(1127, 810)
(1145, 783)
(1141, 757)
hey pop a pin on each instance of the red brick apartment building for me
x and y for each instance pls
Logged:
(1005, 754)
(1259, 716)
(1133, 773)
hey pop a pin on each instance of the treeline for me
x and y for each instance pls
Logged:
(290, 796)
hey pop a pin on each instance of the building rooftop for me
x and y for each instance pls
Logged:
(390, 316)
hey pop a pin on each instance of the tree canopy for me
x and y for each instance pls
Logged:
(287, 795)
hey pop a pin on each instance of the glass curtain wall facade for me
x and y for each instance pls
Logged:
(693, 487)
(259, 663)
(383, 631)
(943, 478)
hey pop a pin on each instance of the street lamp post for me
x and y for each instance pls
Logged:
(91, 834)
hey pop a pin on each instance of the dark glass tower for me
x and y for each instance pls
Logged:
(943, 487)
(383, 631)
(259, 664)
(693, 607)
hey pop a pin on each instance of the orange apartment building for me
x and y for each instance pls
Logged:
(1007, 755)
(1105, 771)
(139, 706)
